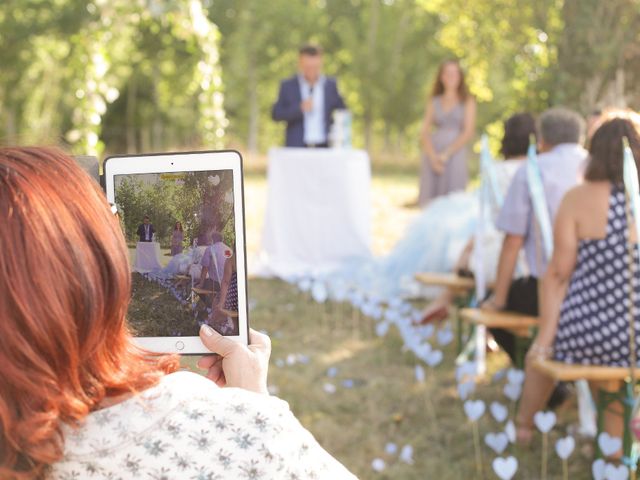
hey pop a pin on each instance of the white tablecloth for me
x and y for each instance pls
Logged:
(147, 257)
(318, 210)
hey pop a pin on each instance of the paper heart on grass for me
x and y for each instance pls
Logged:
(434, 358)
(391, 448)
(406, 454)
(499, 411)
(497, 441)
(466, 369)
(465, 389)
(445, 337)
(505, 468)
(611, 472)
(565, 447)
(515, 376)
(474, 409)
(597, 469)
(510, 431)
(512, 391)
(378, 464)
(419, 373)
(608, 444)
(544, 421)
(319, 292)
(382, 328)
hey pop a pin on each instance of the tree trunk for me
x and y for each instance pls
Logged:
(131, 115)
(254, 107)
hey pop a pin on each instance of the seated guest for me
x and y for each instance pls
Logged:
(306, 102)
(586, 288)
(517, 131)
(145, 230)
(78, 399)
(561, 162)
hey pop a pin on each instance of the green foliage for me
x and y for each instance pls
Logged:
(128, 76)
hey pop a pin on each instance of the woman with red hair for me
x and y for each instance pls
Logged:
(77, 398)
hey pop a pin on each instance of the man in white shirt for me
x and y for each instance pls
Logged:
(306, 102)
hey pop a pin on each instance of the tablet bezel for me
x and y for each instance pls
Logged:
(193, 161)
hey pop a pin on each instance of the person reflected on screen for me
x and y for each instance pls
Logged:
(146, 230)
(79, 398)
(177, 239)
(307, 100)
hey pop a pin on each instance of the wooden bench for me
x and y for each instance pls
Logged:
(613, 377)
(522, 326)
(460, 285)
(462, 288)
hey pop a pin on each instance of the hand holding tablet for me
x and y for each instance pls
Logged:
(183, 219)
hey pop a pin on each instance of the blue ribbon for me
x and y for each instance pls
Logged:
(488, 169)
(536, 190)
(631, 185)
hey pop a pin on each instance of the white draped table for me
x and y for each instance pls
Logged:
(147, 257)
(318, 212)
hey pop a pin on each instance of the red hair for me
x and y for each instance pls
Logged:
(64, 292)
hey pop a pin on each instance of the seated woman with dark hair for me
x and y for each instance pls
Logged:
(585, 304)
(77, 398)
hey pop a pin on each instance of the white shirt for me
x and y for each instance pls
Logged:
(186, 427)
(561, 169)
(314, 121)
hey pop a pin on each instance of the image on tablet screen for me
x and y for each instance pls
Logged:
(181, 235)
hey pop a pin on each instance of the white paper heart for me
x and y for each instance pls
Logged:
(434, 358)
(512, 391)
(304, 284)
(382, 328)
(378, 464)
(425, 331)
(474, 409)
(544, 421)
(510, 431)
(329, 388)
(499, 375)
(611, 472)
(406, 454)
(395, 303)
(608, 444)
(445, 336)
(515, 376)
(497, 441)
(499, 411)
(466, 369)
(419, 373)
(565, 447)
(597, 469)
(391, 448)
(505, 468)
(465, 389)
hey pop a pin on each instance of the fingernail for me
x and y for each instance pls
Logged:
(208, 331)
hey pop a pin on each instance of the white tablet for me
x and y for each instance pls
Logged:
(183, 219)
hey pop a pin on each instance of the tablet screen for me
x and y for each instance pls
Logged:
(181, 235)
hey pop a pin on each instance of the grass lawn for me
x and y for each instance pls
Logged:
(377, 398)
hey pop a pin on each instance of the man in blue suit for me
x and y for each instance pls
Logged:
(306, 102)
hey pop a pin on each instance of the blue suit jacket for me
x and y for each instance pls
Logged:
(287, 108)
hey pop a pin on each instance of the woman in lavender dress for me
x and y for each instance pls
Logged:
(449, 124)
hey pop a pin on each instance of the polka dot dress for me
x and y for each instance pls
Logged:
(594, 318)
(231, 302)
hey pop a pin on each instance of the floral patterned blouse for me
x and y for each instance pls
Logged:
(188, 428)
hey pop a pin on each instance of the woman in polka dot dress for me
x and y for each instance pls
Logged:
(586, 289)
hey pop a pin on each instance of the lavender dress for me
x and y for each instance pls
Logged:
(448, 126)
